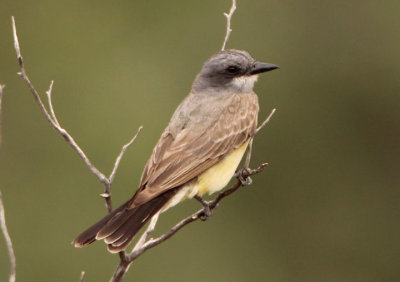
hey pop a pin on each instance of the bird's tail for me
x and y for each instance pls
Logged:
(118, 228)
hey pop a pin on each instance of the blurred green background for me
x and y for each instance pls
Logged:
(327, 207)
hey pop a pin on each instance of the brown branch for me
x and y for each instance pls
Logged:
(52, 119)
(7, 237)
(228, 24)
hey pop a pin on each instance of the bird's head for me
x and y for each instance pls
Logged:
(231, 71)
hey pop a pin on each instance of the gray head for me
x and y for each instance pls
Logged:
(231, 71)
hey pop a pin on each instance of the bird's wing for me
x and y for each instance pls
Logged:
(200, 143)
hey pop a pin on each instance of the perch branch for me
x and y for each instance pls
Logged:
(10, 249)
(228, 24)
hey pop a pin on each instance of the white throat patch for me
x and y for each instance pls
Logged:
(244, 83)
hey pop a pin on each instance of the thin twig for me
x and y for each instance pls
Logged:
(107, 186)
(11, 253)
(148, 231)
(82, 276)
(48, 93)
(123, 150)
(1, 97)
(228, 24)
(265, 121)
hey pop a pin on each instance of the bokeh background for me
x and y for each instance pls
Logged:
(327, 207)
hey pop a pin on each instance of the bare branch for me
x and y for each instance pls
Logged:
(228, 24)
(11, 254)
(123, 150)
(48, 93)
(147, 233)
(265, 121)
(107, 185)
(1, 97)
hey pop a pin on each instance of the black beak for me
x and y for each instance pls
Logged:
(259, 67)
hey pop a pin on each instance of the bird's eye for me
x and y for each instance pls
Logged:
(232, 69)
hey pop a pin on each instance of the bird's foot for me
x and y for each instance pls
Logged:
(243, 176)
(207, 212)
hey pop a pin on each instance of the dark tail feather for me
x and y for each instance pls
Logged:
(120, 226)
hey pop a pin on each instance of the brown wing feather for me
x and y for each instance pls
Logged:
(190, 145)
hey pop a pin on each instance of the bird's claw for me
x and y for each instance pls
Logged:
(243, 176)
(207, 212)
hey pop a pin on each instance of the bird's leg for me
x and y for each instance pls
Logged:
(243, 176)
(206, 205)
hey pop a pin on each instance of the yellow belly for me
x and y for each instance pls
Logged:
(217, 177)
(212, 180)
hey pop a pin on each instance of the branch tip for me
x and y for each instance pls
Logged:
(82, 276)
(228, 24)
(265, 121)
(16, 42)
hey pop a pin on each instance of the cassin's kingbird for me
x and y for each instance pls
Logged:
(199, 150)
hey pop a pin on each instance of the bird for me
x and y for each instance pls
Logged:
(197, 153)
